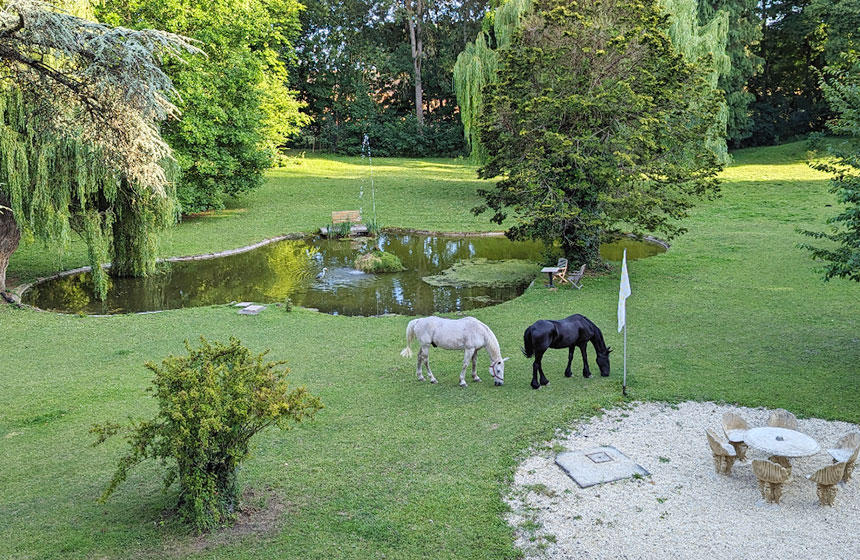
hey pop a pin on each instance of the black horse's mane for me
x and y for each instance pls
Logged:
(597, 338)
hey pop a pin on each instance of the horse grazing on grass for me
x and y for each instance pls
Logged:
(571, 332)
(468, 334)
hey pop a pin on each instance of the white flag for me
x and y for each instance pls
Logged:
(623, 294)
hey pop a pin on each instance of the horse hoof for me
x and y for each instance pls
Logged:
(476, 379)
(463, 384)
(433, 381)
(586, 375)
(544, 381)
(604, 375)
(498, 384)
(568, 373)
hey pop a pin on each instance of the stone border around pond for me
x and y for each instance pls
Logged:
(18, 292)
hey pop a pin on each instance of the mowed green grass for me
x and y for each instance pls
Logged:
(392, 467)
(435, 194)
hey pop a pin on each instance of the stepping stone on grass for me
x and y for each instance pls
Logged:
(251, 309)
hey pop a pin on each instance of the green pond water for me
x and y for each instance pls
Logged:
(289, 269)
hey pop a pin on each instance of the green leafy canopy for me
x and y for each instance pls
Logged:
(596, 123)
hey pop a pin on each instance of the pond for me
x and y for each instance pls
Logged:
(289, 269)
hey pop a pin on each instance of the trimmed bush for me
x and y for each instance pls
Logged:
(210, 403)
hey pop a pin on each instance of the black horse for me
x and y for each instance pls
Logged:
(571, 332)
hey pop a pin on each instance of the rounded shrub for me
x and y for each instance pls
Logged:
(210, 404)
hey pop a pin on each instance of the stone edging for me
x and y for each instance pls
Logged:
(20, 289)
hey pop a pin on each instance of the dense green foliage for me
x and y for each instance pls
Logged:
(842, 90)
(596, 123)
(379, 261)
(704, 45)
(476, 68)
(236, 106)
(446, 454)
(840, 21)
(210, 404)
(744, 33)
(788, 100)
(355, 72)
(78, 136)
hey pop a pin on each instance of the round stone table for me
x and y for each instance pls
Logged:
(781, 442)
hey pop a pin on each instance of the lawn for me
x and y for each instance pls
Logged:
(391, 467)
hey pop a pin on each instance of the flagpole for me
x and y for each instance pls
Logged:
(623, 294)
(624, 383)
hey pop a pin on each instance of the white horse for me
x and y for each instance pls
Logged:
(468, 334)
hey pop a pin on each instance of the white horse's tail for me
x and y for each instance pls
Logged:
(410, 334)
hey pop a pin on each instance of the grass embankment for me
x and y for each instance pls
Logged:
(393, 467)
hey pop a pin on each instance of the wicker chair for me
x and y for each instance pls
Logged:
(781, 418)
(724, 454)
(826, 478)
(770, 477)
(735, 429)
(846, 451)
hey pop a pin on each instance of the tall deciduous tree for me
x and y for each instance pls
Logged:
(355, 71)
(79, 107)
(591, 127)
(415, 10)
(788, 100)
(841, 86)
(744, 33)
(237, 107)
(476, 67)
(705, 45)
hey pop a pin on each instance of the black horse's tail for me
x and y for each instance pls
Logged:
(527, 343)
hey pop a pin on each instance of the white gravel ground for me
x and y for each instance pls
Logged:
(683, 510)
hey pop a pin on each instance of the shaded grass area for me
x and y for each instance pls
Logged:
(733, 312)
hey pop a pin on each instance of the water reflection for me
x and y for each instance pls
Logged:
(289, 268)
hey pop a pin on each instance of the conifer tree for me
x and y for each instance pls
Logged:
(595, 123)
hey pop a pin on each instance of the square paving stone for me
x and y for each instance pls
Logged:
(598, 465)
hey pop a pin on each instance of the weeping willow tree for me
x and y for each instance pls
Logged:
(704, 45)
(79, 144)
(476, 67)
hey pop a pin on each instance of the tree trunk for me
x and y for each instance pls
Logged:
(9, 237)
(414, 16)
(582, 246)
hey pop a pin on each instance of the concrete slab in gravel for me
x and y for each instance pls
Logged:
(597, 465)
(251, 309)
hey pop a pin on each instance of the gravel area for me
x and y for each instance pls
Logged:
(683, 510)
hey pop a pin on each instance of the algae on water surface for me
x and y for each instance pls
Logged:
(483, 272)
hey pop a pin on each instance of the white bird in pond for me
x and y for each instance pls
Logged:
(321, 274)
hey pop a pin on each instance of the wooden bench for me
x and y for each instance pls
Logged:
(352, 217)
